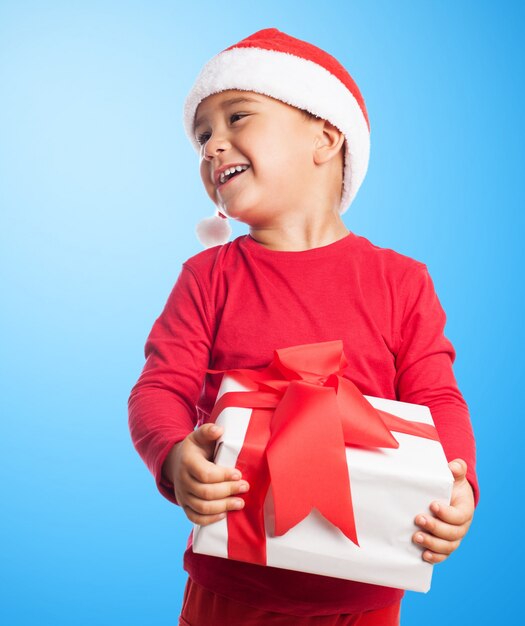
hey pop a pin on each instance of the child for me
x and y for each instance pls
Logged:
(283, 136)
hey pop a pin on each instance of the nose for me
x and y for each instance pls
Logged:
(215, 145)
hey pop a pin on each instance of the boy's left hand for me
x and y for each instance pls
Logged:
(444, 530)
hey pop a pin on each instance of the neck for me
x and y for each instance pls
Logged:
(297, 235)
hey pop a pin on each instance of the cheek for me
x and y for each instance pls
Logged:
(204, 170)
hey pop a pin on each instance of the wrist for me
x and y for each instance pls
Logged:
(170, 462)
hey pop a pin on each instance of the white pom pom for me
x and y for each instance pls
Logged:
(213, 231)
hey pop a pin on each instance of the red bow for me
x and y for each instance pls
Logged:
(304, 414)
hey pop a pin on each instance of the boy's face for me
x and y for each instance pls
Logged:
(268, 144)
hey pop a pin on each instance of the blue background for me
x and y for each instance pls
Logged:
(99, 194)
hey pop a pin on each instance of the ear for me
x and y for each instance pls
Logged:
(329, 142)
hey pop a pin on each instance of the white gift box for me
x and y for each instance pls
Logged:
(389, 488)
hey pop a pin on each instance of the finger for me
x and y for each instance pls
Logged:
(213, 507)
(204, 471)
(202, 520)
(441, 530)
(216, 491)
(460, 513)
(432, 557)
(207, 433)
(458, 467)
(435, 545)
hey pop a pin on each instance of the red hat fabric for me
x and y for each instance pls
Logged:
(298, 73)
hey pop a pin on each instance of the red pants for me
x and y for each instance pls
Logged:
(201, 607)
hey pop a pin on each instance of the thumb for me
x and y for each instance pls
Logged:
(207, 434)
(458, 467)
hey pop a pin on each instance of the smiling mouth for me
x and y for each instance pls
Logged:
(231, 172)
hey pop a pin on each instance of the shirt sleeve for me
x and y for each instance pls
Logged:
(162, 404)
(424, 373)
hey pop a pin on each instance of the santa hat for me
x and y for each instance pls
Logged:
(274, 64)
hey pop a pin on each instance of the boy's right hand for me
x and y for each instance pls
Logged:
(204, 490)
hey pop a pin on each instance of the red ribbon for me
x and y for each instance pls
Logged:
(304, 413)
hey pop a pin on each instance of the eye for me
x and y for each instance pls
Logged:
(202, 138)
(235, 117)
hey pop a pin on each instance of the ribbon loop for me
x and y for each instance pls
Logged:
(311, 361)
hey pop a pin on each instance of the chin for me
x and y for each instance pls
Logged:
(252, 212)
(236, 212)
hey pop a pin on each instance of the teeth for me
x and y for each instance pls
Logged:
(231, 170)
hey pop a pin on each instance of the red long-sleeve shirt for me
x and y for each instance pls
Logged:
(231, 307)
